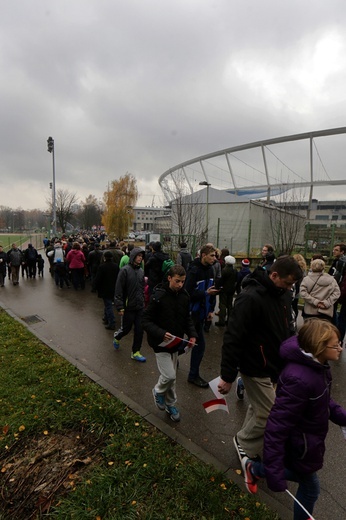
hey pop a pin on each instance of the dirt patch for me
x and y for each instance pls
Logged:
(37, 472)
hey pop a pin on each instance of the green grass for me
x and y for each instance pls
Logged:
(140, 473)
(6, 240)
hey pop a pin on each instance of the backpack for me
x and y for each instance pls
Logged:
(166, 265)
(186, 258)
(32, 253)
(16, 257)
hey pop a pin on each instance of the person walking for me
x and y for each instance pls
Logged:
(94, 260)
(227, 284)
(14, 260)
(319, 291)
(40, 265)
(294, 439)
(129, 302)
(76, 263)
(339, 250)
(57, 262)
(104, 283)
(244, 271)
(30, 258)
(116, 252)
(168, 316)
(153, 266)
(3, 266)
(296, 288)
(217, 283)
(126, 257)
(260, 321)
(200, 286)
(184, 256)
(268, 256)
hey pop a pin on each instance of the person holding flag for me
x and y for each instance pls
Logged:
(166, 320)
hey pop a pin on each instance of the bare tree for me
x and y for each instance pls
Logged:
(65, 210)
(188, 212)
(91, 213)
(287, 223)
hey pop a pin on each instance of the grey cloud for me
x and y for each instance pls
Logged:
(141, 86)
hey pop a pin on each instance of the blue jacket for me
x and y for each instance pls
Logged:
(198, 280)
(298, 422)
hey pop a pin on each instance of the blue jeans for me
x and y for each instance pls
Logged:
(307, 492)
(108, 311)
(197, 352)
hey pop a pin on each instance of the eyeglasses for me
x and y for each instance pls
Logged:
(335, 347)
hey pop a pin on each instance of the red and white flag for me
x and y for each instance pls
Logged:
(174, 341)
(215, 404)
(220, 402)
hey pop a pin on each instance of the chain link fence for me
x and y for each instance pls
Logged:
(246, 238)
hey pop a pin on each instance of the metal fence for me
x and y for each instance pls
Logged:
(243, 239)
(321, 239)
(21, 240)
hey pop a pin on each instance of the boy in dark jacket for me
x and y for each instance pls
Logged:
(129, 302)
(166, 317)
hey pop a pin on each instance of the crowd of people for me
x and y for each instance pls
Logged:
(282, 369)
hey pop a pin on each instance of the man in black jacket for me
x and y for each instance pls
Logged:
(104, 284)
(166, 317)
(261, 320)
(94, 261)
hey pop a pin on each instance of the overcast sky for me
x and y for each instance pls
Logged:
(141, 85)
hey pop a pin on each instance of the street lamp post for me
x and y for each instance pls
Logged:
(129, 211)
(50, 147)
(207, 184)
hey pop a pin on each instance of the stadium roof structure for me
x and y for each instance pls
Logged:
(264, 168)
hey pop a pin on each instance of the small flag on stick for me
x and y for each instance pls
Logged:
(183, 344)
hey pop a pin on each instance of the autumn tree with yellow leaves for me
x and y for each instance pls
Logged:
(119, 201)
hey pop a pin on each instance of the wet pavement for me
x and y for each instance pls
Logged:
(70, 322)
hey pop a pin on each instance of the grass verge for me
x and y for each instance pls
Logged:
(116, 466)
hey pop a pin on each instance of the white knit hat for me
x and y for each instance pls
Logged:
(229, 260)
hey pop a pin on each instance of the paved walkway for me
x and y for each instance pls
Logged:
(69, 322)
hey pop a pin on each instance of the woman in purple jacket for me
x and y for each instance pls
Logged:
(298, 422)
